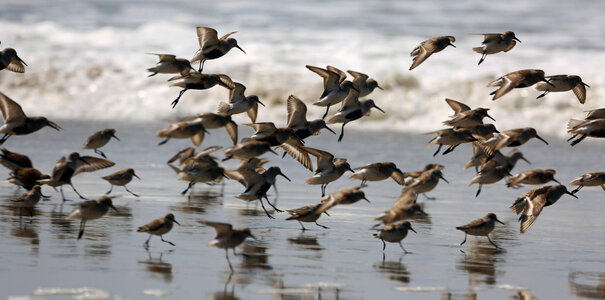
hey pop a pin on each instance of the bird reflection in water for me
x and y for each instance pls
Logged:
(255, 257)
(587, 284)
(199, 200)
(471, 295)
(479, 262)
(29, 234)
(157, 267)
(393, 270)
(305, 242)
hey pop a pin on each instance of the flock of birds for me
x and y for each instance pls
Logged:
(465, 126)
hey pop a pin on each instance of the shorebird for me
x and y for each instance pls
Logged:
(344, 196)
(91, 210)
(28, 200)
(248, 149)
(451, 137)
(283, 138)
(426, 182)
(534, 177)
(595, 114)
(16, 122)
(530, 205)
(589, 179)
(211, 47)
(13, 160)
(297, 120)
(159, 227)
(239, 102)
(169, 64)
(428, 47)
(586, 128)
(409, 176)
(72, 165)
(228, 237)
(510, 138)
(464, 116)
(404, 207)
(564, 83)
(351, 110)
(363, 84)
(257, 185)
(100, 139)
(489, 176)
(11, 61)
(250, 164)
(394, 233)
(214, 121)
(509, 160)
(336, 88)
(121, 178)
(328, 169)
(184, 130)
(379, 171)
(198, 81)
(183, 156)
(496, 42)
(517, 79)
(480, 227)
(196, 172)
(26, 177)
(309, 214)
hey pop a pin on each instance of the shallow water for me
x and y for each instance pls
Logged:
(560, 257)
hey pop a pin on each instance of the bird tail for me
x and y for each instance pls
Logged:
(573, 124)
(223, 108)
(478, 49)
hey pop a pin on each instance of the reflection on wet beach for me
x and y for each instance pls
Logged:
(479, 261)
(589, 285)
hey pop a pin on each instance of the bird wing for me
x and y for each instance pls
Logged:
(222, 229)
(508, 82)
(595, 114)
(263, 128)
(458, 107)
(408, 196)
(224, 37)
(151, 226)
(253, 112)
(297, 112)
(302, 211)
(231, 128)
(532, 210)
(358, 78)
(331, 79)
(236, 91)
(164, 57)
(11, 110)
(491, 37)
(325, 160)
(16, 65)
(251, 177)
(91, 164)
(398, 176)
(517, 179)
(208, 150)
(369, 166)
(510, 46)
(183, 154)
(474, 224)
(235, 175)
(293, 147)
(341, 75)
(424, 51)
(351, 101)
(207, 37)
(580, 91)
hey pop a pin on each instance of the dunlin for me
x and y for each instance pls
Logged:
(589, 179)
(11, 61)
(328, 169)
(351, 110)
(534, 177)
(121, 178)
(489, 176)
(510, 138)
(184, 130)
(483, 131)
(228, 237)
(198, 81)
(13, 160)
(239, 102)
(169, 64)
(451, 137)
(394, 233)
(530, 205)
(415, 174)
(297, 120)
(464, 116)
(404, 207)
(517, 79)
(26, 177)
(211, 47)
(183, 156)
(72, 165)
(480, 227)
(363, 84)
(426, 182)
(214, 121)
(496, 42)
(284, 138)
(344, 196)
(309, 214)
(195, 172)
(378, 172)
(16, 122)
(586, 128)
(564, 83)
(159, 227)
(28, 200)
(428, 47)
(336, 89)
(100, 139)
(257, 185)
(248, 149)
(250, 164)
(509, 160)
(91, 210)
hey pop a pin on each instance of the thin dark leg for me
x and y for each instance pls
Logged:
(110, 189)
(572, 137)
(82, 226)
(543, 94)
(478, 190)
(327, 109)
(276, 194)
(176, 101)
(4, 138)
(427, 197)
(234, 252)
(131, 192)
(62, 194)
(81, 197)
(270, 204)
(464, 240)
(323, 190)
(97, 151)
(165, 241)
(438, 149)
(342, 131)
(450, 149)
(490, 240)
(201, 65)
(325, 227)
(263, 206)
(384, 245)
(190, 185)
(578, 140)
(404, 251)
(482, 58)
(302, 227)
(146, 244)
(577, 189)
(164, 141)
(228, 261)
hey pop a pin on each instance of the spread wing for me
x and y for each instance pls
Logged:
(325, 160)
(491, 37)
(341, 75)
(222, 229)
(183, 154)
(294, 148)
(236, 91)
(224, 37)
(263, 128)
(11, 110)
(331, 79)
(16, 65)
(517, 179)
(424, 51)
(398, 176)
(297, 113)
(532, 210)
(580, 91)
(351, 101)
(507, 83)
(458, 107)
(165, 57)
(207, 37)
(92, 164)
(231, 128)
(358, 78)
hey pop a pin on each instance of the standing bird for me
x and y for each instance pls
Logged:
(496, 42)
(16, 122)
(464, 116)
(121, 178)
(11, 61)
(72, 165)
(428, 47)
(535, 177)
(531, 204)
(13, 160)
(564, 83)
(586, 128)
(363, 84)
(159, 227)
(517, 79)
(309, 214)
(100, 139)
(184, 130)
(90, 210)
(26, 177)
(211, 47)
(169, 64)
(328, 169)
(336, 88)
(214, 121)
(394, 233)
(257, 185)
(228, 237)
(351, 110)
(481, 227)
(297, 120)
(239, 102)
(28, 200)
(589, 179)
(509, 138)
(378, 172)
(198, 81)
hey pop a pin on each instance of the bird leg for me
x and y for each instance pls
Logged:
(275, 208)
(578, 140)
(577, 189)
(165, 241)
(543, 94)
(131, 192)
(164, 141)
(176, 101)
(97, 151)
(325, 227)
(146, 244)
(190, 185)
(490, 240)
(110, 189)
(438, 149)
(483, 55)
(81, 197)
(323, 190)
(404, 251)
(384, 245)
(427, 197)
(342, 131)
(327, 109)
(478, 190)
(302, 226)
(4, 138)
(82, 226)
(63, 195)
(263, 206)
(227, 256)
(449, 149)
(202, 61)
(464, 240)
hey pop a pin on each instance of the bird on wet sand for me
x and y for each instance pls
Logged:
(228, 237)
(159, 227)
(14, 160)
(121, 178)
(309, 214)
(91, 210)
(28, 200)
(257, 185)
(394, 233)
(26, 177)
(481, 227)
(100, 139)
(16, 122)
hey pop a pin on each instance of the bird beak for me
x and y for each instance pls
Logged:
(174, 220)
(499, 221)
(378, 108)
(412, 229)
(516, 39)
(548, 82)
(571, 194)
(538, 137)
(490, 118)
(441, 176)
(115, 137)
(282, 174)
(258, 101)
(379, 87)
(253, 237)
(452, 45)
(586, 85)
(366, 199)
(135, 175)
(525, 159)
(271, 150)
(54, 125)
(352, 171)
(19, 58)
(556, 181)
(329, 129)
(114, 208)
(238, 47)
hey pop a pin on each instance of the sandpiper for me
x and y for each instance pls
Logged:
(480, 227)
(328, 169)
(426, 182)
(211, 47)
(451, 137)
(530, 205)
(509, 160)
(464, 116)
(198, 81)
(564, 83)
(195, 172)
(183, 156)
(284, 138)
(28, 200)
(248, 149)
(169, 64)
(72, 165)
(410, 175)
(309, 214)
(394, 233)
(517, 79)
(26, 177)
(379, 171)
(534, 177)
(11, 61)
(250, 164)
(404, 207)
(214, 121)
(100, 139)
(510, 138)
(239, 102)
(91, 210)
(257, 185)
(428, 47)
(228, 237)
(16, 122)
(344, 196)
(489, 176)
(586, 128)
(297, 120)
(336, 89)
(121, 178)
(363, 84)
(184, 130)
(159, 227)
(496, 42)
(589, 179)
(13, 160)
(351, 110)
